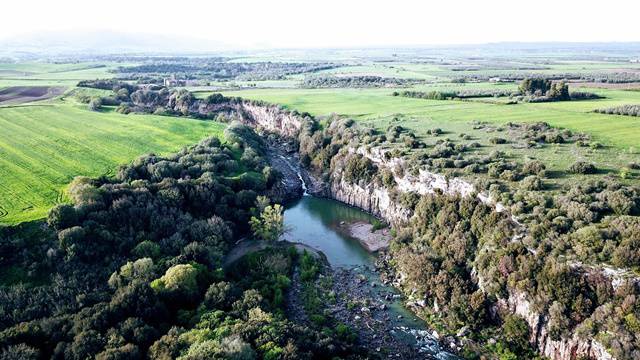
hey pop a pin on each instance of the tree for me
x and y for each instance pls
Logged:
(71, 240)
(270, 225)
(559, 91)
(558, 322)
(530, 86)
(62, 216)
(95, 104)
(516, 332)
(359, 168)
(19, 352)
(218, 295)
(147, 249)
(179, 280)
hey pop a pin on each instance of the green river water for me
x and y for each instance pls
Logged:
(314, 221)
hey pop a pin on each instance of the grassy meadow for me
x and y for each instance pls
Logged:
(42, 147)
(619, 135)
(378, 107)
(44, 144)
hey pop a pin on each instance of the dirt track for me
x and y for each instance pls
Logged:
(22, 94)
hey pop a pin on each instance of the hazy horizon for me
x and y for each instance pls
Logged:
(287, 24)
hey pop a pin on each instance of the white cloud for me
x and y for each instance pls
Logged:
(289, 23)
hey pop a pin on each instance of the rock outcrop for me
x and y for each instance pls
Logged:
(566, 348)
(272, 119)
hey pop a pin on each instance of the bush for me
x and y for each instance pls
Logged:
(179, 281)
(534, 167)
(359, 168)
(95, 104)
(270, 225)
(516, 333)
(531, 183)
(582, 167)
(388, 180)
(146, 249)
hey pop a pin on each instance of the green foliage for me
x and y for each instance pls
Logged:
(345, 333)
(269, 226)
(516, 333)
(377, 225)
(178, 281)
(95, 104)
(62, 216)
(147, 249)
(531, 86)
(359, 168)
(582, 167)
(309, 267)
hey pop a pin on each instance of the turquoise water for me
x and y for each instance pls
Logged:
(314, 221)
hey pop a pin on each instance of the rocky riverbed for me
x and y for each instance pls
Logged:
(377, 314)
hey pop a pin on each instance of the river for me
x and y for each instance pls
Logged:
(315, 222)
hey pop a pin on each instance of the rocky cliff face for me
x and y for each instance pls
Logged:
(272, 119)
(376, 199)
(566, 348)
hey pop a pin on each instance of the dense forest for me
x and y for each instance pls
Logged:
(133, 269)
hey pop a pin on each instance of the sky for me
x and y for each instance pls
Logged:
(333, 23)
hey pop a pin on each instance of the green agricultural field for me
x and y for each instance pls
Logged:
(42, 147)
(379, 107)
(619, 135)
(50, 74)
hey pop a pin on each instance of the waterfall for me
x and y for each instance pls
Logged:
(297, 171)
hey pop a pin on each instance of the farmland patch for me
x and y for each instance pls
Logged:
(23, 94)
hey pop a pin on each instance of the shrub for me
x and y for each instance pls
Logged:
(95, 104)
(388, 179)
(218, 296)
(359, 168)
(531, 183)
(72, 240)
(179, 280)
(516, 332)
(270, 225)
(582, 167)
(534, 167)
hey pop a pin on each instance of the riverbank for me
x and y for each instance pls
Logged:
(371, 238)
(346, 236)
(378, 313)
